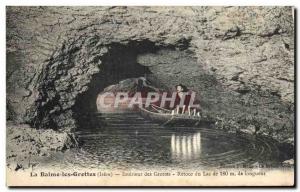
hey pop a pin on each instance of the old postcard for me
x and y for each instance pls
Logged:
(150, 96)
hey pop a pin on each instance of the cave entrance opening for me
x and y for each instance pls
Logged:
(119, 64)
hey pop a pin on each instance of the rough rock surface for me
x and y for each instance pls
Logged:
(239, 59)
(26, 144)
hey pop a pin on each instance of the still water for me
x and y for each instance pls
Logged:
(130, 141)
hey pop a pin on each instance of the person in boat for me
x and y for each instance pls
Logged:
(144, 87)
(182, 93)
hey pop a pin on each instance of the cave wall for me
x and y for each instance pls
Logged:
(243, 59)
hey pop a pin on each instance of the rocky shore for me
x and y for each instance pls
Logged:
(26, 145)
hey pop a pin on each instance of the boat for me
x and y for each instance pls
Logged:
(165, 117)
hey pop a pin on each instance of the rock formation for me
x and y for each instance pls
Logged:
(26, 145)
(239, 59)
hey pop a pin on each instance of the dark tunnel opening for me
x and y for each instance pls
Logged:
(120, 63)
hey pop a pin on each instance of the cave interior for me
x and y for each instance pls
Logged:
(119, 64)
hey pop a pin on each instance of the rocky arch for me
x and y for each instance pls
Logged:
(78, 71)
(71, 78)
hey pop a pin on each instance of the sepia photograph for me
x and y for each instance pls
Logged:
(198, 96)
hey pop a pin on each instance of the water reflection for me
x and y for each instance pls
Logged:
(186, 147)
(129, 141)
